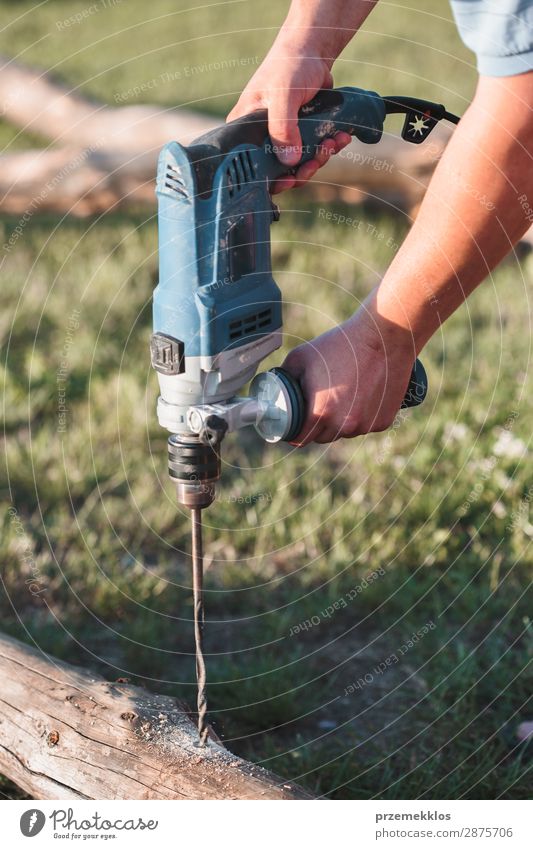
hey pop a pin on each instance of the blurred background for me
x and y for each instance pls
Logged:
(424, 530)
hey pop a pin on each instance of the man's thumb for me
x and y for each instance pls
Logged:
(283, 127)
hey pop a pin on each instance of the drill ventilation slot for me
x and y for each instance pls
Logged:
(250, 324)
(239, 172)
(174, 182)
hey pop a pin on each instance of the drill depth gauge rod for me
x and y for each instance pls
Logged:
(217, 309)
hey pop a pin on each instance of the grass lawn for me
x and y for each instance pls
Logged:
(406, 555)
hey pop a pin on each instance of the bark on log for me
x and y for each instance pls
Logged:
(66, 733)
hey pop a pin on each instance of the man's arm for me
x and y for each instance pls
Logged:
(296, 67)
(477, 206)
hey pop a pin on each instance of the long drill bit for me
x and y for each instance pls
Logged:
(198, 601)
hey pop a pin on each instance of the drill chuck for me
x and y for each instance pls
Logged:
(194, 466)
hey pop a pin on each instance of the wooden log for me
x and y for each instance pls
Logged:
(66, 733)
(84, 181)
(79, 182)
(108, 154)
(32, 100)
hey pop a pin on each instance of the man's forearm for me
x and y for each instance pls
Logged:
(326, 25)
(479, 203)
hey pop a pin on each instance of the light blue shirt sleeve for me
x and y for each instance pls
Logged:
(500, 32)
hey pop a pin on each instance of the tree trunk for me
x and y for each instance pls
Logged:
(66, 733)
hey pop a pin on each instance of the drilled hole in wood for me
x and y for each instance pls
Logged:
(53, 738)
(128, 716)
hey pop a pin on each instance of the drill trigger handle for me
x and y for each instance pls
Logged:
(361, 114)
(351, 110)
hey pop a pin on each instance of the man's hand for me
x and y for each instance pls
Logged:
(478, 204)
(287, 79)
(297, 66)
(354, 378)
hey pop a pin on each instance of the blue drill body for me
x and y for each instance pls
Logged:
(216, 291)
(217, 309)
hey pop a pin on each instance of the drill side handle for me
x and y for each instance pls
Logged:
(415, 395)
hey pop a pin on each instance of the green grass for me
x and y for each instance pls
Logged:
(99, 530)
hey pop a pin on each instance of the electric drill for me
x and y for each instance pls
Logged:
(217, 311)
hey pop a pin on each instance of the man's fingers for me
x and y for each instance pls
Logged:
(324, 151)
(239, 110)
(342, 140)
(309, 169)
(235, 113)
(282, 185)
(328, 80)
(248, 102)
(309, 433)
(305, 172)
(313, 427)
